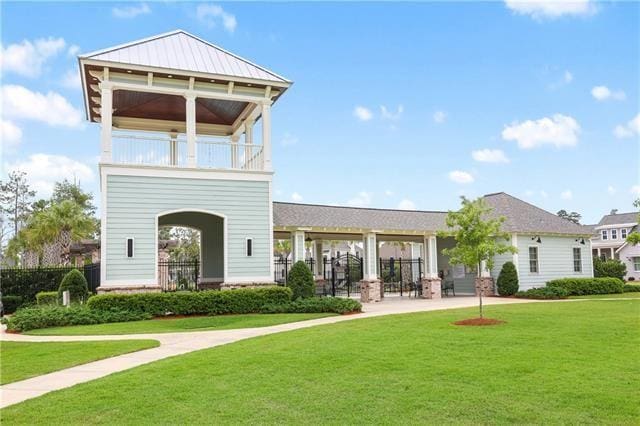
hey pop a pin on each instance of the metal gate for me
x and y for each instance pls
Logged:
(342, 275)
(401, 276)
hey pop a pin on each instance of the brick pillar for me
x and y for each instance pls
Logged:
(486, 285)
(370, 290)
(431, 288)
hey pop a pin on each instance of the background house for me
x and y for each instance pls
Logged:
(609, 240)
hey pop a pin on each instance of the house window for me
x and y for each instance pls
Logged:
(533, 260)
(577, 259)
(249, 247)
(636, 264)
(605, 235)
(623, 233)
(129, 247)
(614, 234)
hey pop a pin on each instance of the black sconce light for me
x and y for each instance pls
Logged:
(308, 239)
(536, 239)
(581, 240)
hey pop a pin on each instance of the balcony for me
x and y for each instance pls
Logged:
(160, 149)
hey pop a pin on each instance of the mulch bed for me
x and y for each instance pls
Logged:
(479, 321)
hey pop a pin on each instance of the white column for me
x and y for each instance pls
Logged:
(266, 135)
(415, 255)
(297, 246)
(248, 144)
(484, 271)
(234, 151)
(432, 254)
(319, 259)
(191, 129)
(173, 149)
(515, 259)
(370, 266)
(106, 120)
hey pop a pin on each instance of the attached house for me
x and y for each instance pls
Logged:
(186, 141)
(609, 240)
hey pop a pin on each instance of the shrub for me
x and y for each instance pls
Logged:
(543, 293)
(335, 305)
(300, 280)
(508, 280)
(47, 298)
(212, 302)
(57, 316)
(582, 286)
(609, 268)
(631, 288)
(76, 284)
(11, 303)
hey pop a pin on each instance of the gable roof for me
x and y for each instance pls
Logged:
(181, 51)
(520, 217)
(618, 218)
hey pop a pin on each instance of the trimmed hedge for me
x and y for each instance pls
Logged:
(32, 318)
(583, 286)
(543, 293)
(11, 303)
(508, 280)
(212, 302)
(47, 298)
(334, 305)
(631, 288)
(300, 280)
(612, 268)
(76, 284)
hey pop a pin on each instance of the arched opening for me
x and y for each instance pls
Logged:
(193, 256)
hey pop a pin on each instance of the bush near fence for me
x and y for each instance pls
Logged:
(27, 282)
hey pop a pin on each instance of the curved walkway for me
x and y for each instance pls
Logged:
(172, 344)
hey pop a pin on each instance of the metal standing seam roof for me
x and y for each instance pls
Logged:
(179, 50)
(520, 216)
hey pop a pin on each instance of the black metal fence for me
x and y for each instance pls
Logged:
(342, 275)
(282, 266)
(179, 275)
(27, 282)
(400, 276)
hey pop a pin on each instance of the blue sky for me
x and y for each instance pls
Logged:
(394, 105)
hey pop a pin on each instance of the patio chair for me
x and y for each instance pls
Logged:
(447, 285)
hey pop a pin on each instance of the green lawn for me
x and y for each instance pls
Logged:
(632, 295)
(22, 360)
(168, 325)
(570, 363)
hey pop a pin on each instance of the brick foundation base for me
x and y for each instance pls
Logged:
(129, 289)
(431, 288)
(370, 291)
(486, 284)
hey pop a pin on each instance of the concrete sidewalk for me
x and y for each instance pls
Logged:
(172, 344)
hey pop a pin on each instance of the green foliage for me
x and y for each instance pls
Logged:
(47, 298)
(631, 288)
(573, 216)
(583, 286)
(11, 303)
(508, 280)
(188, 242)
(336, 305)
(28, 282)
(543, 293)
(213, 302)
(76, 284)
(57, 316)
(609, 268)
(300, 280)
(634, 238)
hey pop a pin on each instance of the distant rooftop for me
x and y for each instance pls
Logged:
(618, 218)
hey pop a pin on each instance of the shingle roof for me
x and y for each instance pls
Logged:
(179, 50)
(618, 218)
(521, 217)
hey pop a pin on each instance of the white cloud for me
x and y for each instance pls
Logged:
(632, 127)
(490, 156)
(43, 170)
(73, 50)
(568, 77)
(635, 190)
(296, 197)
(611, 190)
(11, 135)
(459, 176)
(439, 117)
(362, 113)
(566, 195)
(388, 115)
(551, 9)
(388, 193)
(362, 199)
(18, 102)
(129, 12)
(289, 140)
(71, 79)
(212, 14)
(603, 93)
(28, 58)
(559, 131)
(406, 204)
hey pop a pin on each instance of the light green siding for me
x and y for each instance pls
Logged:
(463, 285)
(132, 203)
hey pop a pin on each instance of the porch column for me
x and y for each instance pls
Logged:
(431, 284)
(599, 254)
(297, 246)
(248, 145)
(319, 259)
(370, 286)
(173, 148)
(514, 243)
(191, 129)
(106, 120)
(415, 255)
(266, 135)
(234, 151)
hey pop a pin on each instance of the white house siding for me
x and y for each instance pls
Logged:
(132, 203)
(627, 253)
(498, 262)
